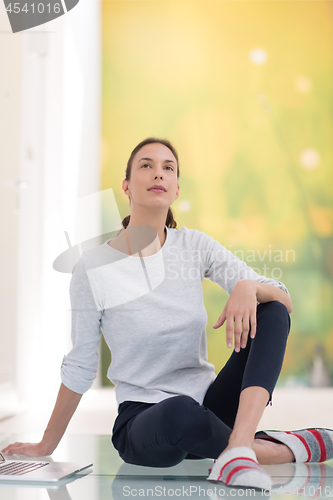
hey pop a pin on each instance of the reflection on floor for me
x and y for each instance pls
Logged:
(111, 478)
(88, 438)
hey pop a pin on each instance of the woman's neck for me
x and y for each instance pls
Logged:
(157, 224)
(125, 242)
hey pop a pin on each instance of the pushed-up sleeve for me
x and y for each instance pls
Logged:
(79, 367)
(224, 268)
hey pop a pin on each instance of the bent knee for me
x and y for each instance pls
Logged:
(278, 312)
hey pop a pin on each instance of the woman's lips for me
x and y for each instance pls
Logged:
(157, 190)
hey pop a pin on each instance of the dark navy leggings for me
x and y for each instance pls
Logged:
(163, 434)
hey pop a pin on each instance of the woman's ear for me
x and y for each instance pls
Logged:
(125, 187)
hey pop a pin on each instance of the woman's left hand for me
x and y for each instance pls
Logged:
(240, 312)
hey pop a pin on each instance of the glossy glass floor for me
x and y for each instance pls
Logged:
(111, 478)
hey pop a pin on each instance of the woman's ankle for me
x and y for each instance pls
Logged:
(240, 439)
(270, 453)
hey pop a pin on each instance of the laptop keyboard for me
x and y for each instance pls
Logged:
(19, 468)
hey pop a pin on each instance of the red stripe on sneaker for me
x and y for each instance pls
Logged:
(308, 478)
(320, 488)
(237, 469)
(301, 438)
(233, 460)
(319, 438)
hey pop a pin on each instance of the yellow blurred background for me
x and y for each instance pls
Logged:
(244, 91)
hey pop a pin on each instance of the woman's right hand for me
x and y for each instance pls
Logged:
(65, 406)
(29, 449)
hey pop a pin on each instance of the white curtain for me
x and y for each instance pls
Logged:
(60, 160)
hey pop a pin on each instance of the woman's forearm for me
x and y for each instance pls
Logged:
(267, 293)
(65, 406)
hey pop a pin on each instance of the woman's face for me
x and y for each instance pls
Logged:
(153, 164)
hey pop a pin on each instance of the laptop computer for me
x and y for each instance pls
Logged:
(38, 470)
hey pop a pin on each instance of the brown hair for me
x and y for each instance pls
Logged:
(170, 221)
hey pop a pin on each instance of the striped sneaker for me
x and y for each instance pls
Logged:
(308, 445)
(239, 467)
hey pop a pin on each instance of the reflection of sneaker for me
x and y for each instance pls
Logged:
(308, 445)
(239, 467)
(310, 480)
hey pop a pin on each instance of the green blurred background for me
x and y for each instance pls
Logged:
(244, 91)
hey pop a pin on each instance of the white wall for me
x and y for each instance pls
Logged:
(10, 63)
(57, 136)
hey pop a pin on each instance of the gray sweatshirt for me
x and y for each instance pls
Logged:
(152, 315)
